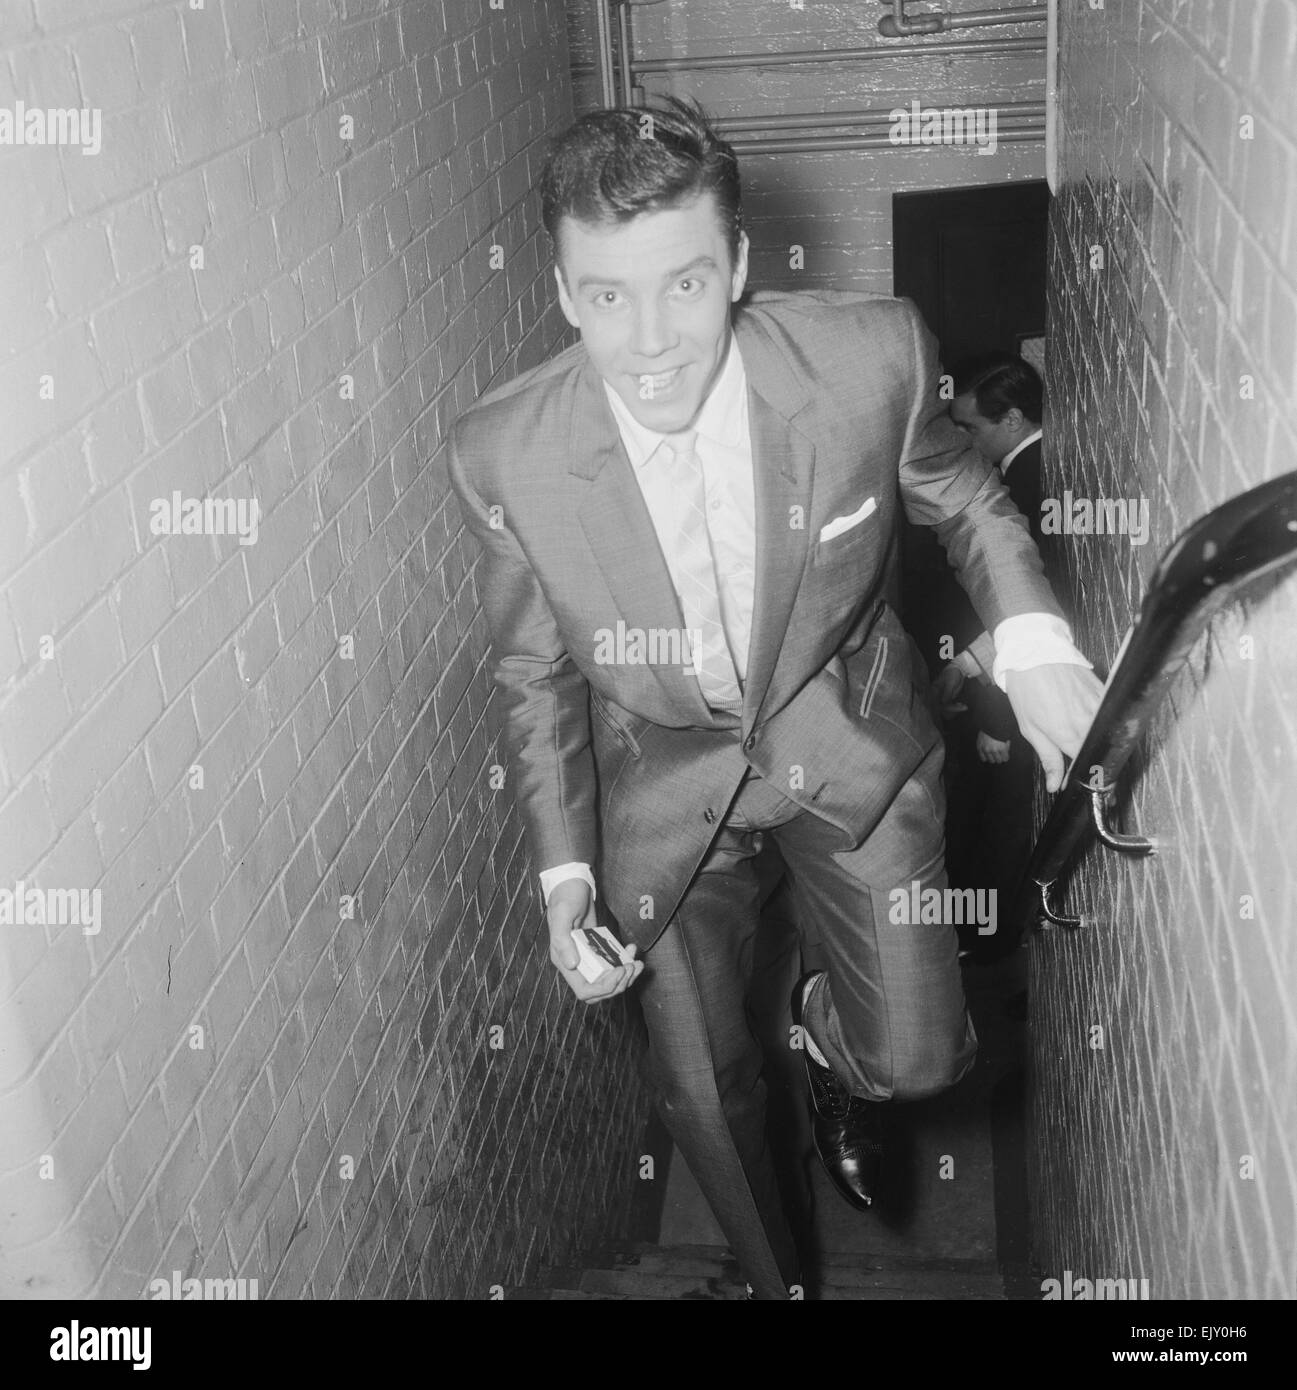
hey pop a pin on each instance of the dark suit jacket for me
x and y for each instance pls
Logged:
(623, 765)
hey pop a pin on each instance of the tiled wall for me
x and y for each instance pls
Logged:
(836, 206)
(313, 1039)
(1168, 1152)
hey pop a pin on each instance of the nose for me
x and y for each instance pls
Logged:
(652, 332)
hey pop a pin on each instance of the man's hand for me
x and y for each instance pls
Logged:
(571, 904)
(949, 682)
(1054, 705)
(991, 750)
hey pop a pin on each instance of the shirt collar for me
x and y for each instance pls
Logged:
(1017, 449)
(721, 419)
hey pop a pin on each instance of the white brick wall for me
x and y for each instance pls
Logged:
(1139, 1166)
(129, 660)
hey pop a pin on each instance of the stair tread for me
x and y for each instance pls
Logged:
(639, 1272)
(669, 1284)
(658, 1293)
(706, 1258)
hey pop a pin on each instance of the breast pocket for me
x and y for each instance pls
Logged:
(845, 549)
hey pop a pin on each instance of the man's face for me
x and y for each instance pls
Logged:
(652, 299)
(991, 438)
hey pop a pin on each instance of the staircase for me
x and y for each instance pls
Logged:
(707, 1272)
(959, 1232)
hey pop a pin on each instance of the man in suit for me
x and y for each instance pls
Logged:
(688, 532)
(997, 405)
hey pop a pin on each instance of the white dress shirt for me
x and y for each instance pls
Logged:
(724, 448)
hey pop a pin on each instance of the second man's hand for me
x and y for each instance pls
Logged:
(571, 904)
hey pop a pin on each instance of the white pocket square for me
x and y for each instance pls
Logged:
(839, 524)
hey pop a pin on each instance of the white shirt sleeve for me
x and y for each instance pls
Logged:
(1033, 639)
(551, 878)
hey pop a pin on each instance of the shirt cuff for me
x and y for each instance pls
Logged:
(1033, 639)
(551, 878)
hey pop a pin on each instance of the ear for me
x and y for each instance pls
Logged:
(1014, 419)
(565, 299)
(740, 275)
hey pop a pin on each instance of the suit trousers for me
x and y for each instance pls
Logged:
(891, 1018)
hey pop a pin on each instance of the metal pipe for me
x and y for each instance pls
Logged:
(960, 47)
(983, 19)
(1051, 99)
(900, 25)
(1007, 110)
(607, 87)
(824, 143)
(624, 55)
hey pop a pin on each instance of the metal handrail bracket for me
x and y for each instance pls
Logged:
(1202, 572)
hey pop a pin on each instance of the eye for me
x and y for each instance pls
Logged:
(689, 285)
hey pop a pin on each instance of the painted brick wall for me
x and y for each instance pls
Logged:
(227, 740)
(837, 205)
(1169, 1154)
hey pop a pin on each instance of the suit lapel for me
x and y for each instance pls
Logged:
(620, 532)
(783, 460)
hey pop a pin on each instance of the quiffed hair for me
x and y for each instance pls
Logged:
(999, 381)
(610, 166)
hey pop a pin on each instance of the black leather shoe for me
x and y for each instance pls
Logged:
(848, 1130)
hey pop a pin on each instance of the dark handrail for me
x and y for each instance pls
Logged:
(1201, 572)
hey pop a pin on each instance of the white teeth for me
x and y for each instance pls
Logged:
(650, 386)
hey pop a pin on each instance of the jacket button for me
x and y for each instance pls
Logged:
(749, 743)
(709, 816)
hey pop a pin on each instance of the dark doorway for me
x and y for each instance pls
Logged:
(973, 260)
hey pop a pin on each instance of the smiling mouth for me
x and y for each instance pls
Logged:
(656, 384)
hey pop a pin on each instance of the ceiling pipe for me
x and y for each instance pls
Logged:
(818, 144)
(1033, 111)
(899, 25)
(958, 48)
(603, 53)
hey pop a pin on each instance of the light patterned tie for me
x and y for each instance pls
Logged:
(693, 568)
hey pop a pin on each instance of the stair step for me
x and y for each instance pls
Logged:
(529, 1295)
(866, 1285)
(706, 1257)
(703, 1272)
